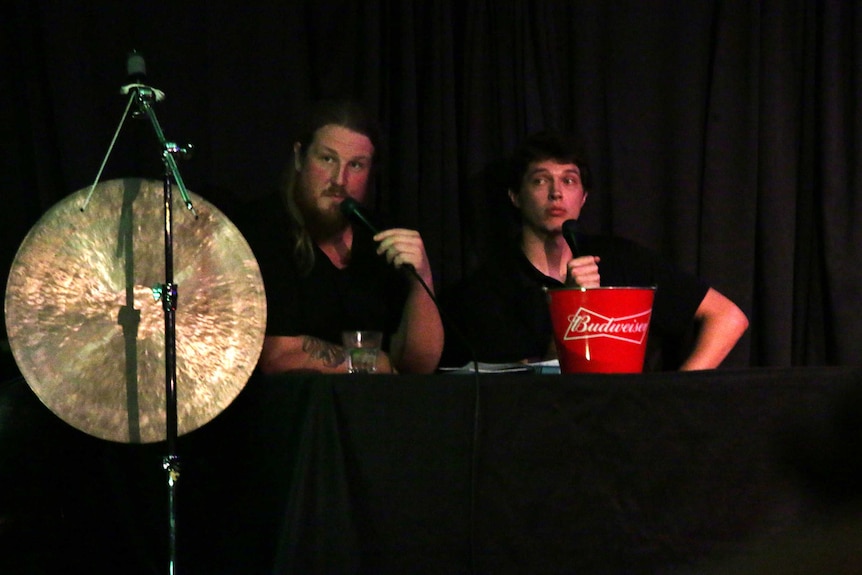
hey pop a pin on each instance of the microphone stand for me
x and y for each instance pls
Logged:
(144, 96)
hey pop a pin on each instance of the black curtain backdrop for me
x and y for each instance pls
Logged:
(725, 134)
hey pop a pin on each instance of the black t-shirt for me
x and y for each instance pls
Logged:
(502, 309)
(368, 294)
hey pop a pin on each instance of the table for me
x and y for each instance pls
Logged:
(497, 473)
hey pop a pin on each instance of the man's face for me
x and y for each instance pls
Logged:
(337, 164)
(550, 194)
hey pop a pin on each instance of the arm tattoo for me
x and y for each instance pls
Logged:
(330, 354)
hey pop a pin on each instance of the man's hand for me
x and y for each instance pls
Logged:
(405, 247)
(583, 272)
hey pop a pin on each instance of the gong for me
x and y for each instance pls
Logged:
(86, 324)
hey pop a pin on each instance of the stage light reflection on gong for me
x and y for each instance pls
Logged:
(88, 334)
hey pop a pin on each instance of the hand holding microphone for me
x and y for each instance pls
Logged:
(581, 270)
(404, 248)
(401, 247)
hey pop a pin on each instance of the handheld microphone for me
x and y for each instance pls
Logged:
(570, 233)
(353, 211)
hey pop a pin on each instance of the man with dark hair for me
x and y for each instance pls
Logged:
(324, 275)
(502, 308)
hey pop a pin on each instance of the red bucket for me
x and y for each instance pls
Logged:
(601, 330)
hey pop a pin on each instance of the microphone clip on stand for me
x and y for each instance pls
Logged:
(142, 97)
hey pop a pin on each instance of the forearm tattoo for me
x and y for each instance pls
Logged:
(330, 354)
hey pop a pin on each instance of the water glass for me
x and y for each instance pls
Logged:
(361, 347)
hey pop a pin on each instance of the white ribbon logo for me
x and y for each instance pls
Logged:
(587, 324)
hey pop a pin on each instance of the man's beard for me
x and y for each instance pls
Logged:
(324, 222)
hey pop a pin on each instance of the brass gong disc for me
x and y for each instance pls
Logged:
(88, 333)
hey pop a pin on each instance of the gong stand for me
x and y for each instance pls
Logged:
(108, 344)
(143, 97)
